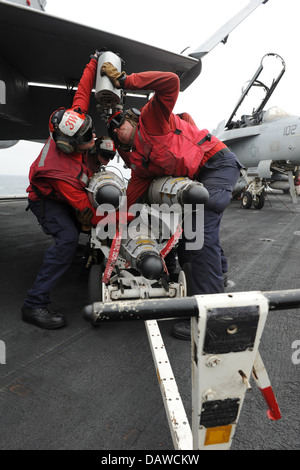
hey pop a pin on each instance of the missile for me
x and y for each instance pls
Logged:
(108, 97)
(108, 194)
(143, 254)
(176, 190)
(150, 266)
(106, 187)
(140, 248)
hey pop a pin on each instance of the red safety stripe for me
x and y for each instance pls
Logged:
(273, 412)
(113, 255)
(171, 243)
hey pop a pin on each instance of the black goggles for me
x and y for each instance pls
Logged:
(116, 120)
(86, 137)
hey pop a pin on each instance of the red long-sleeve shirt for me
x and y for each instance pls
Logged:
(157, 113)
(157, 118)
(83, 93)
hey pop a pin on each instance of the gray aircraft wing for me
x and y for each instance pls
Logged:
(47, 49)
(36, 47)
(222, 34)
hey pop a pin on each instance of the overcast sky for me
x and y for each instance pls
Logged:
(174, 25)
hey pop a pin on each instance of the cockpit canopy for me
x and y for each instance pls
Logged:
(274, 113)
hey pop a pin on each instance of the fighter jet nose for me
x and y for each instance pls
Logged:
(108, 194)
(151, 267)
(195, 194)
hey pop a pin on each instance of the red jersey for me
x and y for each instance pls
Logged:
(164, 143)
(63, 176)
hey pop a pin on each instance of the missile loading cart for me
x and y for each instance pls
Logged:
(132, 282)
(134, 250)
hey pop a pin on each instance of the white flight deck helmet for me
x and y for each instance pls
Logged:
(70, 128)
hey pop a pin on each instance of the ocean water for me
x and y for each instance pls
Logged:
(13, 184)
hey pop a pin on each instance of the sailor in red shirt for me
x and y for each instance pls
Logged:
(58, 178)
(157, 142)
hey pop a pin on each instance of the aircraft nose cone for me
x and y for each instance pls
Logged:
(195, 194)
(151, 267)
(108, 194)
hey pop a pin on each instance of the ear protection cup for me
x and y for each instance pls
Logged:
(64, 145)
(133, 116)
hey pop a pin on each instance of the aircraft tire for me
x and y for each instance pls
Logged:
(247, 200)
(259, 202)
(95, 284)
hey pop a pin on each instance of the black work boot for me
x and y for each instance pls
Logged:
(182, 330)
(43, 318)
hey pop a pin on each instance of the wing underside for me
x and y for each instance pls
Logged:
(38, 48)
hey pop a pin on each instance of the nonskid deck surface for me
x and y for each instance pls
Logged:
(82, 387)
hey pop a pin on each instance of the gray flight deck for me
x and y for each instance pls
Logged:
(90, 388)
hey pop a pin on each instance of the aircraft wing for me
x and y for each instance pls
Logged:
(36, 47)
(222, 34)
(48, 49)
(41, 48)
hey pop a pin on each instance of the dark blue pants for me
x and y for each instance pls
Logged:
(58, 220)
(219, 178)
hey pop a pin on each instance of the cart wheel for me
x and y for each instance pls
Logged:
(95, 284)
(185, 279)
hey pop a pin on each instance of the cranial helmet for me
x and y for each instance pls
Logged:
(116, 120)
(69, 128)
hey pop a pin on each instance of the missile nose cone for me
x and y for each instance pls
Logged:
(195, 194)
(108, 194)
(151, 267)
(87, 312)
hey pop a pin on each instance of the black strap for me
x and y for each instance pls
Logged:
(40, 195)
(42, 207)
(37, 191)
(145, 162)
(207, 137)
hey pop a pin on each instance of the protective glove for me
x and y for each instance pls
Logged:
(97, 54)
(116, 78)
(84, 217)
(105, 148)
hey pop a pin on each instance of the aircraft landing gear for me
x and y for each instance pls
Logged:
(259, 201)
(254, 195)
